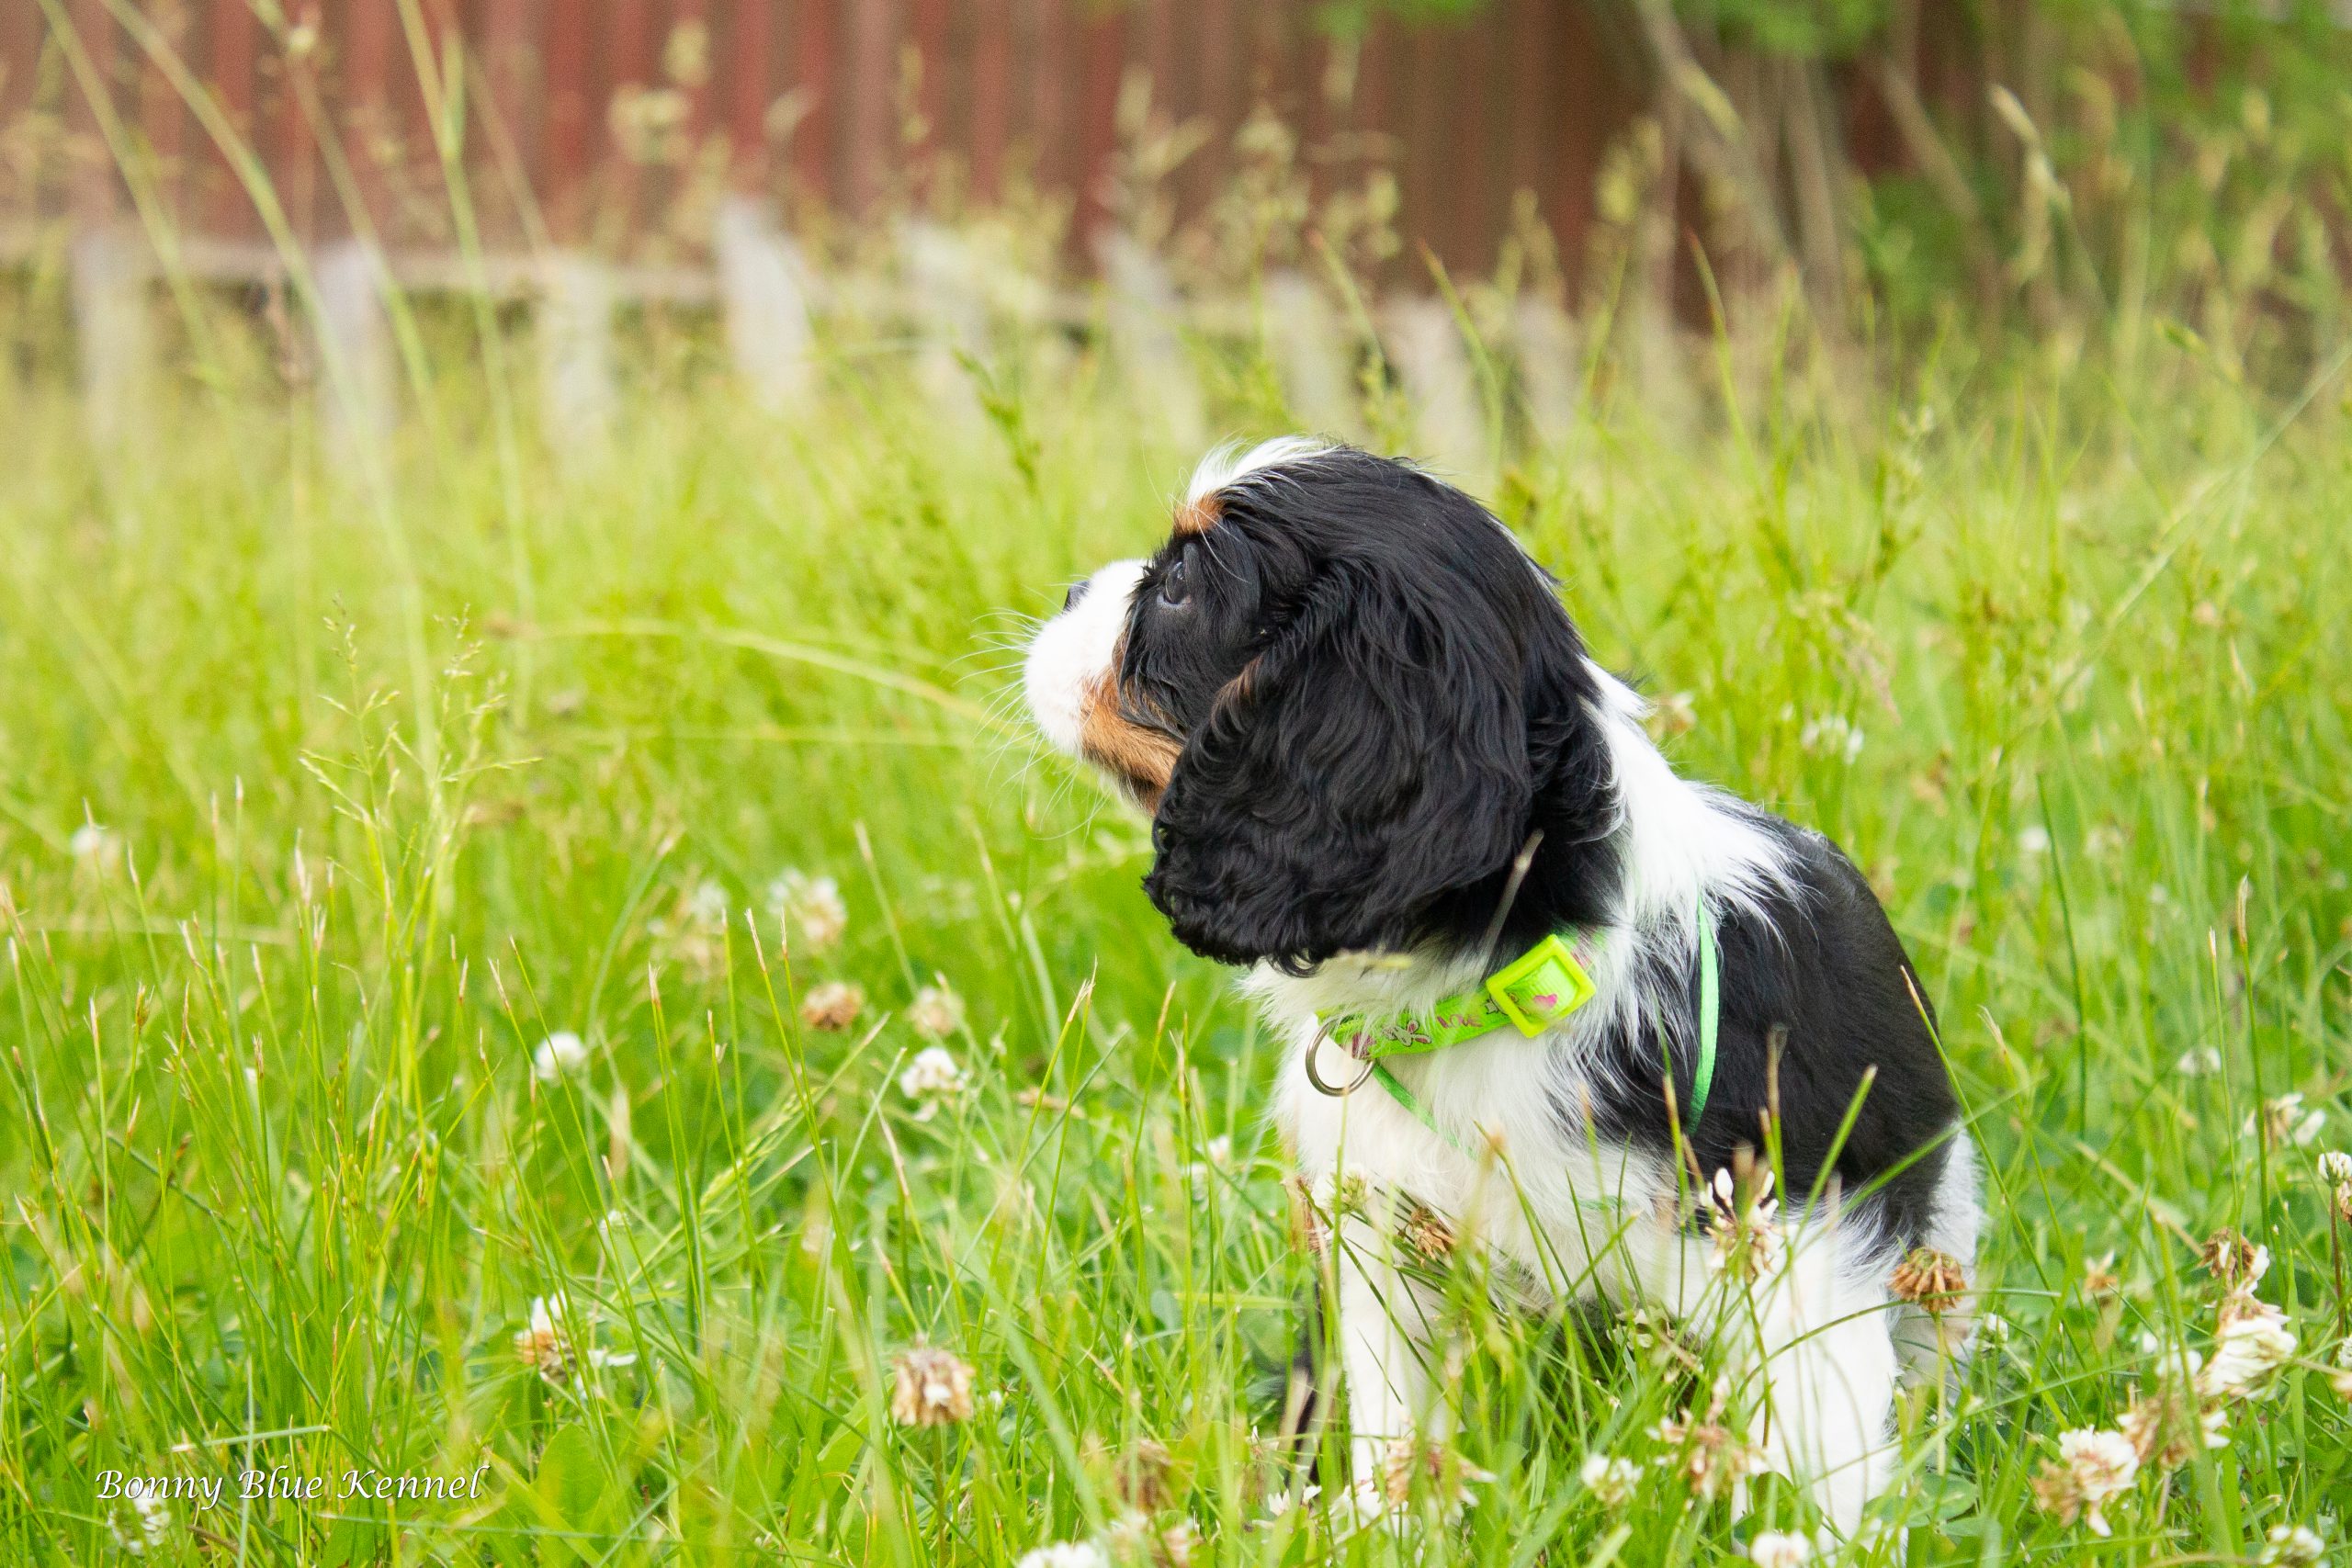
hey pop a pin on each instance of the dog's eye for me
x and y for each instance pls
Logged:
(1176, 583)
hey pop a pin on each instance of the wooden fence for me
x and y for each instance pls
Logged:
(599, 122)
(581, 153)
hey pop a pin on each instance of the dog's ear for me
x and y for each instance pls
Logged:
(1372, 758)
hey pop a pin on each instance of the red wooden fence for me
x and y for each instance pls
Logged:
(602, 122)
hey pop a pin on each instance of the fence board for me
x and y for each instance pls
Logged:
(1520, 95)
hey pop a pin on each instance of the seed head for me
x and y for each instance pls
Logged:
(1931, 1279)
(832, 1006)
(930, 1387)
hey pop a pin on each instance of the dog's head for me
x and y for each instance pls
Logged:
(1347, 697)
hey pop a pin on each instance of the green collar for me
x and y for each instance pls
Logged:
(1532, 993)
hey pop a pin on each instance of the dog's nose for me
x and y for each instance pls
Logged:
(1077, 592)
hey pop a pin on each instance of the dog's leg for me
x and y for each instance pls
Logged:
(1386, 1325)
(1808, 1348)
(1829, 1381)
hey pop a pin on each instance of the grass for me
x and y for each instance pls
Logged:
(399, 770)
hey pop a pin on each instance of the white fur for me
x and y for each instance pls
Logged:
(1074, 650)
(1228, 465)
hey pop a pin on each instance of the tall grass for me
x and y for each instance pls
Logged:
(333, 794)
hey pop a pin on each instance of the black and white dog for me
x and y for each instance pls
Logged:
(1379, 766)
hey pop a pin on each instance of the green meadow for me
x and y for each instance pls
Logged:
(430, 875)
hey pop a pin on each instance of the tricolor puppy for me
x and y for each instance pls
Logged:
(1532, 980)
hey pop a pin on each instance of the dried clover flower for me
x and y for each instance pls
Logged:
(832, 1006)
(1931, 1279)
(930, 1388)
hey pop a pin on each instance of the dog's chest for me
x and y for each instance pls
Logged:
(1512, 1158)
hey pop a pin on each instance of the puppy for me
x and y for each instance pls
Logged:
(1382, 774)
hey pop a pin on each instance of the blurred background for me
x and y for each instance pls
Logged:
(1487, 206)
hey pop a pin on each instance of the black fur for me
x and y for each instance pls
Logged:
(1380, 702)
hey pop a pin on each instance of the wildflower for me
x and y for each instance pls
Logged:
(1831, 734)
(809, 907)
(1713, 1457)
(1748, 1241)
(1779, 1549)
(543, 1343)
(1660, 1341)
(1931, 1279)
(1611, 1481)
(933, 1078)
(1066, 1554)
(154, 1519)
(2285, 1121)
(2199, 1062)
(94, 847)
(1134, 1537)
(2297, 1544)
(561, 1055)
(2034, 839)
(1675, 713)
(1424, 1231)
(1363, 1505)
(831, 1006)
(930, 1388)
(2099, 1278)
(1283, 1503)
(1139, 1477)
(2252, 1342)
(694, 933)
(2091, 1467)
(1406, 1459)
(2335, 1169)
(2237, 1263)
(936, 1012)
(1220, 1151)
(2173, 1421)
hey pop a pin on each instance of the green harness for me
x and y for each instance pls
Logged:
(1532, 993)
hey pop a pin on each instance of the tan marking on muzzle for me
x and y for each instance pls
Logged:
(1143, 759)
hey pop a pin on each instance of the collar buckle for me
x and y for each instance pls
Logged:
(1540, 987)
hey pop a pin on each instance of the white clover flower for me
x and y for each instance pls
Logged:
(2253, 1342)
(2199, 1062)
(1748, 1240)
(561, 1055)
(94, 847)
(833, 1006)
(1282, 1503)
(2092, 1466)
(936, 1012)
(2295, 1544)
(1779, 1549)
(154, 1519)
(809, 908)
(1610, 1479)
(1066, 1554)
(933, 1077)
(2335, 1165)
(1831, 735)
(705, 906)
(543, 1342)
(1365, 1505)
(2288, 1121)
(2034, 839)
